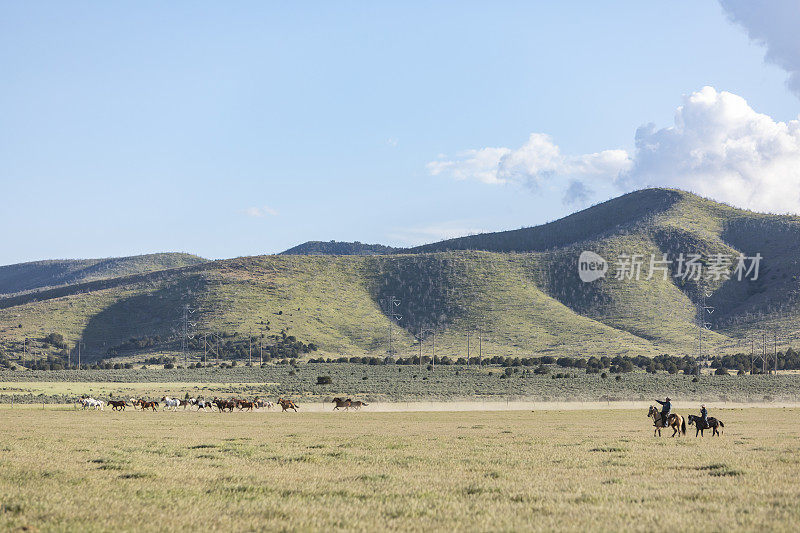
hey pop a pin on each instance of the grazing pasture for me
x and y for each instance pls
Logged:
(62, 469)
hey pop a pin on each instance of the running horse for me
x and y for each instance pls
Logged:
(287, 404)
(676, 422)
(244, 404)
(117, 405)
(339, 402)
(358, 404)
(148, 405)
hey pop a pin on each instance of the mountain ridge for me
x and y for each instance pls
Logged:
(522, 296)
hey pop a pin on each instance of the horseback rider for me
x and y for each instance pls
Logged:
(704, 415)
(666, 407)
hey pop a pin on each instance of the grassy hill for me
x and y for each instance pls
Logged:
(339, 248)
(42, 274)
(511, 293)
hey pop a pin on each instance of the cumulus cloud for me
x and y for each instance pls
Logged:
(774, 25)
(534, 164)
(721, 148)
(260, 212)
(718, 146)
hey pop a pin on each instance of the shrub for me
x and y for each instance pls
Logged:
(721, 371)
(324, 380)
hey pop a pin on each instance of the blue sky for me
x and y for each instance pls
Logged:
(230, 129)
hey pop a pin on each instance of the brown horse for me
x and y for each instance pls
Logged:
(243, 404)
(358, 404)
(224, 404)
(148, 405)
(676, 422)
(339, 402)
(287, 404)
(117, 405)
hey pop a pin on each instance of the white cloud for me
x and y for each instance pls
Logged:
(718, 147)
(471, 164)
(721, 148)
(533, 164)
(773, 24)
(260, 212)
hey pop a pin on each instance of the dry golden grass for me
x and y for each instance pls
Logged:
(565, 470)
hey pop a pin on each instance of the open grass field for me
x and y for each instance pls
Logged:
(365, 471)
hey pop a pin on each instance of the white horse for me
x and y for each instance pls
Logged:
(170, 402)
(202, 404)
(91, 402)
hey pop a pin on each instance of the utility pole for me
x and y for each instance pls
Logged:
(433, 356)
(420, 348)
(250, 347)
(468, 347)
(392, 303)
(480, 345)
(703, 325)
(764, 360)
(185, 327)
(775, 338)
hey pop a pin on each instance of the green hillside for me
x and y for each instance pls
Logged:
(339, 248)
(512, 294)
(53, 273)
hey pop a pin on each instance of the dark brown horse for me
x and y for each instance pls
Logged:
(117, 405)
(358, 404)
(244, 404)
(713, 424)
(340, 402)
(287, 404)
(224, 404)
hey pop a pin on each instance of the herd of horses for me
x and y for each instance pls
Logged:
(200, 404)
(675, 422)
(678, 424)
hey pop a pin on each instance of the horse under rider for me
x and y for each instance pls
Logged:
(666, 407)
(704, 415)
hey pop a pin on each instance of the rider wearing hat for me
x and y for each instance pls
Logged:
(666, 407)
(704, 415)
